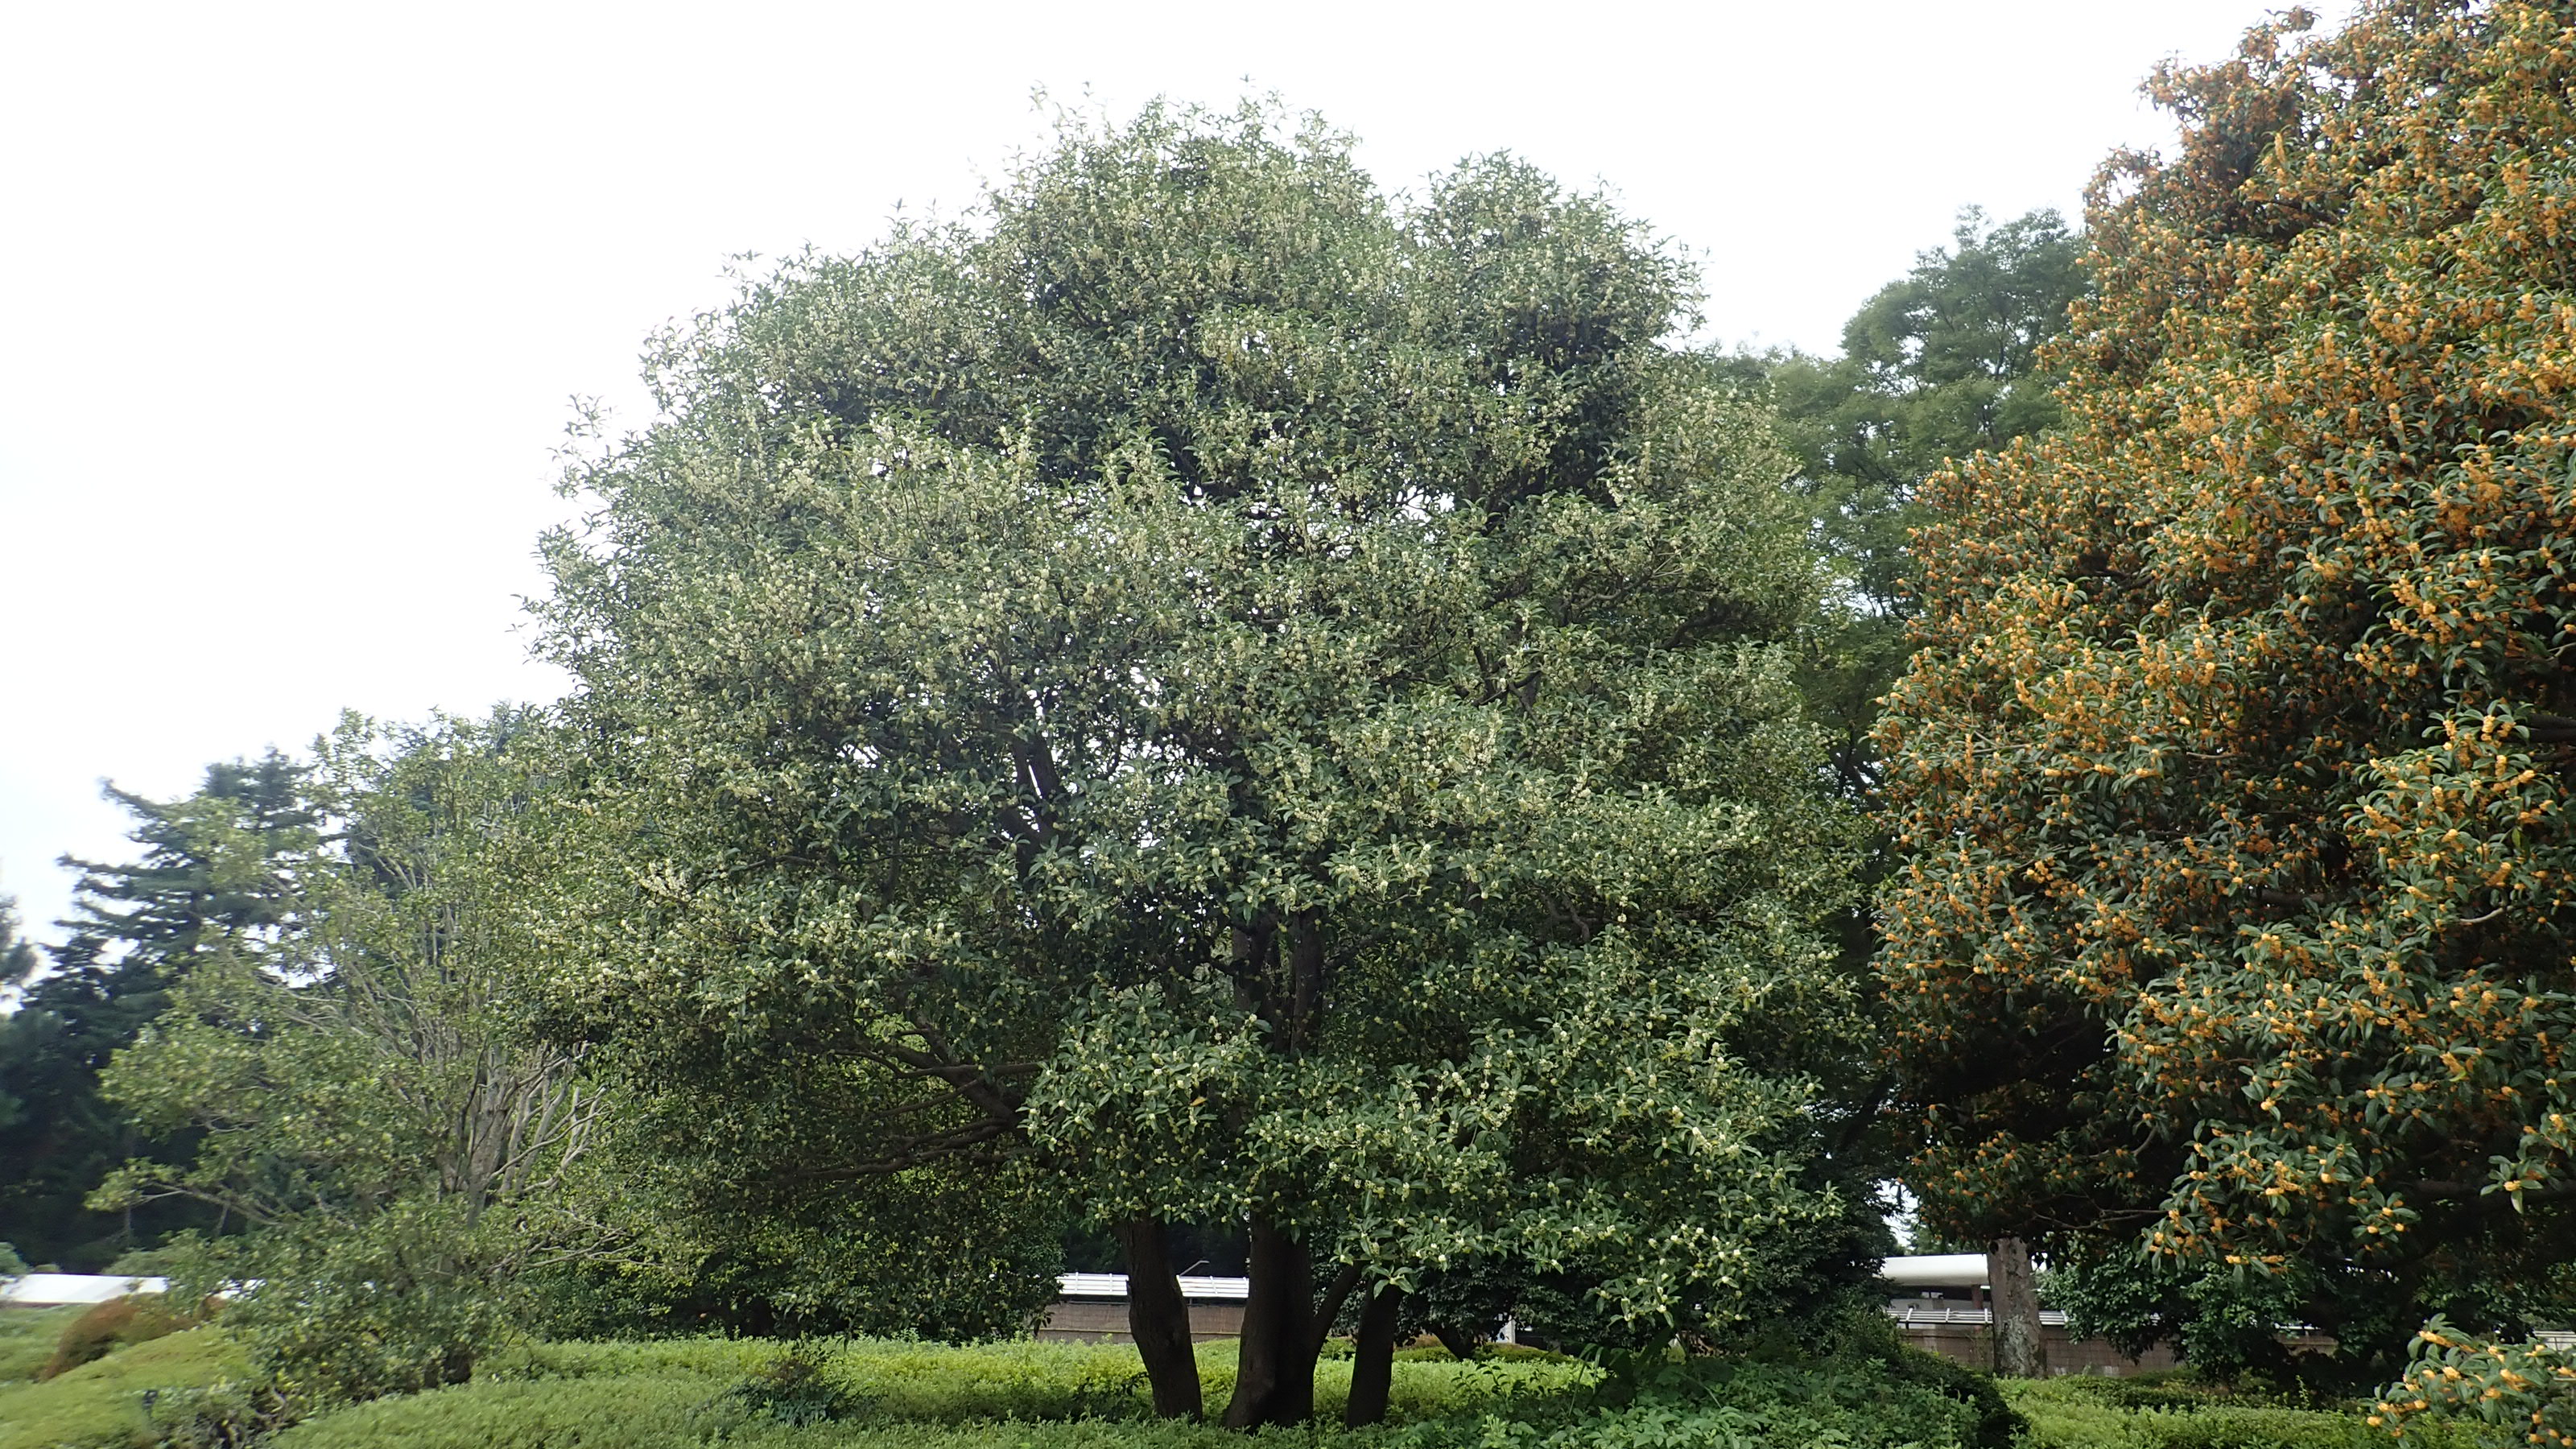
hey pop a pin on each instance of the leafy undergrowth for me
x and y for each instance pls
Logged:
(2101, 1413)
(673, 1410)
(1056, 1396)
(888, 1395)
(103, 1404)
(924, 1383)
(28, 1337)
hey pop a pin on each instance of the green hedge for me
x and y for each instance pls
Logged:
(939, 1384)
(627, 1411)
(674, 1410)
(101, 1405)
(2077, 1413)
(700, 1393)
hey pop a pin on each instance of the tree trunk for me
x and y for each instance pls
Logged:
(1274, 1381)
(1158, 1318)
(1454, 1339)
(1373, 1359)
(1331, 1308)
(2020, 1352)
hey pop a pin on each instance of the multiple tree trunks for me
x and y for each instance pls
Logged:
(2020, 1351)
(1158, 1318)
(1284, 1329)
(991, 608)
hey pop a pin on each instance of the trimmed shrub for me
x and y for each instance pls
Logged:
(2171, 1413)
(27, 1339)
(797, 1388)
(925, 1383)
(630, 1411)
(678, 1412)
(109, 1403)
(117, 1323)
(230, 1414)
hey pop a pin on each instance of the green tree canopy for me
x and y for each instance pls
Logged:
(2233, 760)
(1939, 365)
(1263, 703)
(358, 1094)
(217, 872)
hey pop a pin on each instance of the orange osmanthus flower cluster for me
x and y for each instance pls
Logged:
(2525, 1390)
(2233, 771)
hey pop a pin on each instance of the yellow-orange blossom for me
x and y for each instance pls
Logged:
(2233, 770)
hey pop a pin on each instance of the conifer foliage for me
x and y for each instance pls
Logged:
(215, 879)
(2235, 759)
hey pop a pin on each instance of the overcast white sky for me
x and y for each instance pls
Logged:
(292, 299)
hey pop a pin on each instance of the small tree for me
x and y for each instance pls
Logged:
(363, 1104)
(1264, 706)
(2233, 759)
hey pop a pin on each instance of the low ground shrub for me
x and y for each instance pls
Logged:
(1737, 1404)
(1434, 1353)
(675, 1411)
(230, 1414)
(2170, 1412)
(106, 1327)
(628, 1411)
(799, 1388)
(926, 1383)
(722, 1358)
(191, 1390)
(109, 1403)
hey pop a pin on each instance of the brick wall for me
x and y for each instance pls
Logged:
(1974, 1345)
(1095, 1320)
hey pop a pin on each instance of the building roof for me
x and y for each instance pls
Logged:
(46, 1290)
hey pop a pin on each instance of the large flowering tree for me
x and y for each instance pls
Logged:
(1262, 704)
(2233, 766)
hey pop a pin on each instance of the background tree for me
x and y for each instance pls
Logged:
(360, 1099)
(2232, 761)
(1940, 365)
(1267, 706)
(19, 964)
(218, 875)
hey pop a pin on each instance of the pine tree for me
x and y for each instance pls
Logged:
(217, 873)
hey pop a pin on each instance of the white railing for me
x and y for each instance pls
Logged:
(1907, 1316)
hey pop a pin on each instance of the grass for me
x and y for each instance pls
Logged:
(100, 1405)
(690, 1394)
(933, 1383)
(27, 1339)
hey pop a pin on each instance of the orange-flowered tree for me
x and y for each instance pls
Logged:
(2233, 767)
